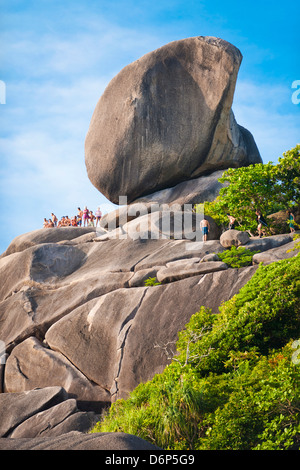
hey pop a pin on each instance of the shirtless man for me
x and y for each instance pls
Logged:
(204, 225)
(79, 216)
(261, 222)
(232, 221)
(54, 219)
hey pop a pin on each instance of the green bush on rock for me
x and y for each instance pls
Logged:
(232, 383)
(237, 257)
(151, 281)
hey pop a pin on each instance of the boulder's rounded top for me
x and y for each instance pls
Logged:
(166, 118)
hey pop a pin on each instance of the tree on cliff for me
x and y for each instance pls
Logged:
(266, 187)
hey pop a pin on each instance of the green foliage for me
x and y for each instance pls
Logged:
(232, 383)
(288, 173)
(237, 257)
(152, 281)
(297, 244)
(267, 187)
(262, 411)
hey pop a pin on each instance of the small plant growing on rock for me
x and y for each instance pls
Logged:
(237, 257)
(152, 281)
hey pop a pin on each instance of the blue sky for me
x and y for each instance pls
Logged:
(58, 56)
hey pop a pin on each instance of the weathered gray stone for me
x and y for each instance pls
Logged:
(163, 312)
(210, 257)
(124, 214)
(98, 329)
(267, 243)
(102, 328)
(139, 277)
(80, 441)
(195, 191)
(275, 254)
(17, 407)
(104, 331)
(156, 221)
(172, 224)
(178, 249)
(55, 421)
(32, 310)
(44, 263)
(30, 365)
(45, 235)
(52, 261)
(234, 238)
(180, 263)
(183, 269)
(166, 118)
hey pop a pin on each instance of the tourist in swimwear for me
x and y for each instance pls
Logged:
(205, 227)
(54, 219)
(91, 218)
(261, 222)
(85, 216)
(98, 215)
(62, 222)
(74, 221)
(232, 221)
(291, 221)
(79, 216)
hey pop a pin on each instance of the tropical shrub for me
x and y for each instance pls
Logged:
(237, 257)
(151, 281)
(267, 187)
(232, 383)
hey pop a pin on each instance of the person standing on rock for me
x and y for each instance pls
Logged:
(54, 219)
(79, 216)
(91, 219)
(291, 221)
(85, 216)
(98, 215)
(205, 227)
(232, 221)
(261, 221)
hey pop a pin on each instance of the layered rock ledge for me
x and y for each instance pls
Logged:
(79, 329)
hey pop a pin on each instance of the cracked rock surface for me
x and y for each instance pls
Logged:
(79, 327)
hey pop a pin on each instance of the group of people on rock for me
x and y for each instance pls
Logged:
(84, 218)
(261, 223)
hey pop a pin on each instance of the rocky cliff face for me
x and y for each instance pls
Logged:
(167, 119)
(75, 313)
(78, 327)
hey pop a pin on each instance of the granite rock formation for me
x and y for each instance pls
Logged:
(80, 329)
(166, 119)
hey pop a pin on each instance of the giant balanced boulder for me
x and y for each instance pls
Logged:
(166, 118)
